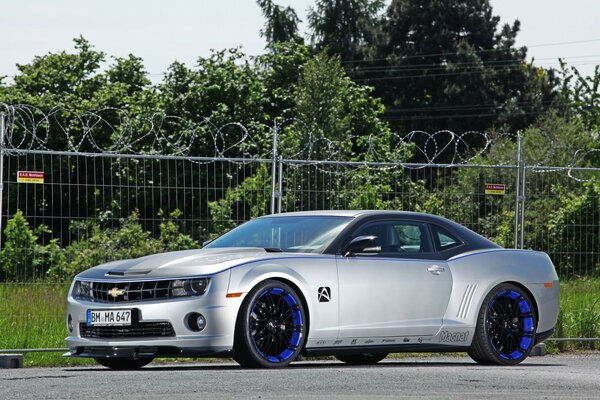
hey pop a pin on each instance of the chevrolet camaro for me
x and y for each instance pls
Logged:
(356, 285)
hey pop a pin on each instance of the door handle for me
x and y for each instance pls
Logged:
(436, 269)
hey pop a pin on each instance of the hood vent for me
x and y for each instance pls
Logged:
(127, 273)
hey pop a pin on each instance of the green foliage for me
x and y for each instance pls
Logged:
(331, 109)
(579, 315)
(280, 69)
(33, 317)
(221, 89)
(170, 237)
(574, 227)
(281, 23)
(447, 65)
(22, 257)
(344, 27)
(248, 200)
(580, 95)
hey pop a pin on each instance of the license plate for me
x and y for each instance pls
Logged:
(108, 317)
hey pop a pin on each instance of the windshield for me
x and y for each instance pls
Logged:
(305, 234)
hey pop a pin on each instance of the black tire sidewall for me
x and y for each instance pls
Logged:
(481, 332)
(245, 345)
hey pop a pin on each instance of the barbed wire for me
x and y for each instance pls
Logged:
(114, 132)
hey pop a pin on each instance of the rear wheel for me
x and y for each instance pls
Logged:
(362, 359)
(123, 363)
(505, 332)
(271, 327)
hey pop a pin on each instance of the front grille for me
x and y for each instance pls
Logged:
(139, 330)
(116, 292)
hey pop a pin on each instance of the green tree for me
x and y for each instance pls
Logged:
(281, 23)
(205, 100)
(447, 65)
(22, 256)
(344, 27)
(334, 116)
(580, 95)
(248, 200)
(280, 68)
(575, 232)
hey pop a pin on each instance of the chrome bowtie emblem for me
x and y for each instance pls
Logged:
(324, 294)
(116, 292)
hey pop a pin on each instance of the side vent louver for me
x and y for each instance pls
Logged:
(465, 304)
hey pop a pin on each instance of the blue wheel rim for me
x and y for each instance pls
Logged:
(276, 325)
(510, 325)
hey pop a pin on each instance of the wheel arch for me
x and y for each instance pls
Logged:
(298, 291)
(531, 296)
(302, 299)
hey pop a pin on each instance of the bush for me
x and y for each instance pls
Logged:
(22, 257)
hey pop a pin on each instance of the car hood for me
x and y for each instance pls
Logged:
(182, 263)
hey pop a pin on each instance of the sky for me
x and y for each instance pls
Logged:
(164, 31)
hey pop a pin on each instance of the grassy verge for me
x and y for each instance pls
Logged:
(579, 315)
(33, 316)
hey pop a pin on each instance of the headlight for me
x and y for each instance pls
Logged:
(82, 290)
(188, 287)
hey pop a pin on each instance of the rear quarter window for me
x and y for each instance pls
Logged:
(443, 239)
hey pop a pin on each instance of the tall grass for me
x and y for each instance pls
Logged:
(33, 316)
(579, 315)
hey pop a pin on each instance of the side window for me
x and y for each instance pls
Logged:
(444, 239)
(399, 237)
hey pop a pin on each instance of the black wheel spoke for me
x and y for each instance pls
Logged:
(506, 324)
(275, 318)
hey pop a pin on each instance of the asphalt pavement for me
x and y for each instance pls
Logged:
(571, 376)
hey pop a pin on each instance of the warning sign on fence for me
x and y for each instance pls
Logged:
(495, 188)
(30, 177)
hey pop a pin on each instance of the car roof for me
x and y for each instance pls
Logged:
(352, 214)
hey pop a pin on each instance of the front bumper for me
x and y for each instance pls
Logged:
(136, 352)
(214, 340)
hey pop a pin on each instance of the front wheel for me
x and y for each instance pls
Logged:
(123, 363)
(505, 331)
(271, 327)
(362, 359)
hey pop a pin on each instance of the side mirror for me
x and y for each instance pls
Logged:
(362, 245)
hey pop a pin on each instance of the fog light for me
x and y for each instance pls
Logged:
(196, 322)
(70, 323)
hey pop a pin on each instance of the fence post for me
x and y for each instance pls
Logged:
(274, 170)
(517, 189)
(280, 185)
(2, 129)
(523, 197)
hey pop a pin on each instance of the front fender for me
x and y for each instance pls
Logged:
(308, 275)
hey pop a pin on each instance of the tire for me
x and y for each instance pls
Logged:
(362, 359)
(124, 363)
(271, 327)
(506, 325)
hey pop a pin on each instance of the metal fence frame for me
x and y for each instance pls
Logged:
(278, 163)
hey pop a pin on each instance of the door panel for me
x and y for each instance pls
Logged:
(392, 297)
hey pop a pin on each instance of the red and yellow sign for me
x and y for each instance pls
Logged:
(30, 177)
(495, 188)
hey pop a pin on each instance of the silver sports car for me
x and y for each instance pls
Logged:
(353, 284)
